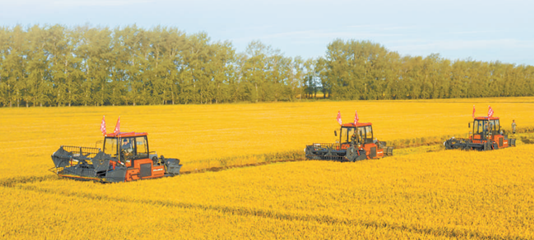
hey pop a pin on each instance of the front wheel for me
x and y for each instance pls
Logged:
(351, 154)
(448, 144)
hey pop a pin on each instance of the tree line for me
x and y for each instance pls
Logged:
(61, 66)
(365, 70)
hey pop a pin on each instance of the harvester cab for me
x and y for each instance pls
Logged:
(125, 157)
(356, 142)
(484, 129)
(127, 148)
(355, 135)
(485, 134)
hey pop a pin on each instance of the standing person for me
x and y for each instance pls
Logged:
(513, 126)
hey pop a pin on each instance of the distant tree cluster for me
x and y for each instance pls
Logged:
(60, 66)
(365, 70)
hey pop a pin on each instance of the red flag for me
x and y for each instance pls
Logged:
(103, 126)
(338, 118)
(356, 118)
(490, 112)
(473, 111)
(117, 126)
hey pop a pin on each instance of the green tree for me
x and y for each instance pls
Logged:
(96, 51)
(458, 86)
(13, 65)
(38, 84)
(254, 70)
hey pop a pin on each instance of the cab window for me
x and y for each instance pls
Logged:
(496, 126)
(128, 148)
(361, 132)
(346, 134)
(110, 147)
(369, 133)
(142, 147)
(479, 126)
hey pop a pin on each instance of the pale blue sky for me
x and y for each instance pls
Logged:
(482, 30)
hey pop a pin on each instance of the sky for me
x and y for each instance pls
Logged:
(487, 30)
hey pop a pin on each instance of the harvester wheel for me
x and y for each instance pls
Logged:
(487, 146)
(448, 144)
(389, 151)
(308, 151)
(351, 154)
(466, 147)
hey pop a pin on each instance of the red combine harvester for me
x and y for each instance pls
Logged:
(486, 135)
(356, 142)
(125, 157)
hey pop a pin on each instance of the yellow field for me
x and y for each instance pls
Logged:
(443, 194)
(201, 134)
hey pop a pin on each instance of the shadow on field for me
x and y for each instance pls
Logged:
(217, 169)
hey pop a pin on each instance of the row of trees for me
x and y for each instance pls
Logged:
(60, 66)
(365, 70)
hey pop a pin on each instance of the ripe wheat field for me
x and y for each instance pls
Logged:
(415, 194)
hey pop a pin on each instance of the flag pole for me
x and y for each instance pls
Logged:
(116, 131)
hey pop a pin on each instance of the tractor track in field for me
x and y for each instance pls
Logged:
(217, 169)
(262, 213)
